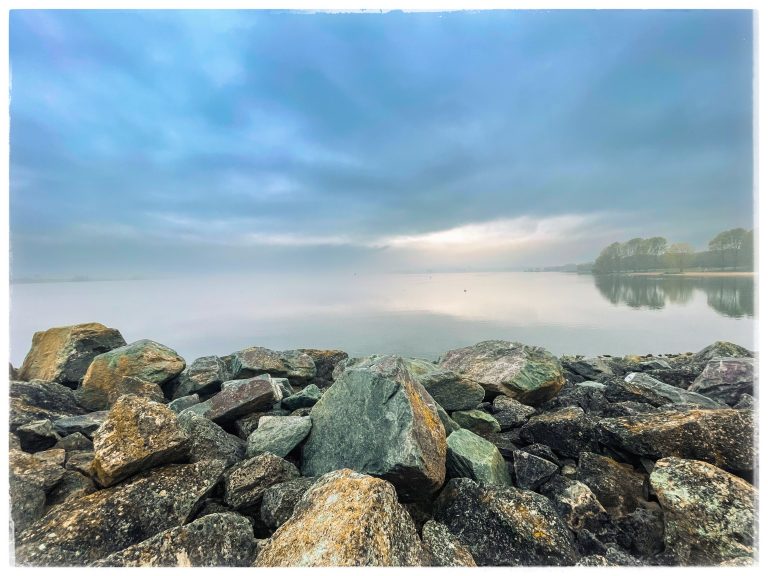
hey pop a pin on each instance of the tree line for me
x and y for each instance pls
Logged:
(730, 249)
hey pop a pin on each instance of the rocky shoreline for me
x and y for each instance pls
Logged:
(499, 454)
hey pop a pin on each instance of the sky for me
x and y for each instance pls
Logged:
(159, 143)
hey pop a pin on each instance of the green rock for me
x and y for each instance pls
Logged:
(477, 421)
(448, 423)
(470, 456)
(278, 435)
(304, 399)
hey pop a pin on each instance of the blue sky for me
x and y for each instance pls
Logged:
(164, 142)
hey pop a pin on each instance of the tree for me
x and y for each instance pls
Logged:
(680, 255)
(657, 247)
(728, 243)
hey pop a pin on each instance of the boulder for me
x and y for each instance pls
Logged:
(345, 519)
(577, 505)
(278, 435)
(642, 532)
(138, 434)
(63, 354)
(476, 421)
(441, 548)
(85, 424)
(526, 373)
(542, 451)
(291, 364)
(470, 456)
(719, 349)
(377, 419)
(184, 402)
(213, 540)
(72, 485)
(36, 436)
(209, 441)
(83, 530)
(39, 400)
(30, 480)
(746, 402)
(203, 377)
(584, 395)
(250, 395)
(279, 501)
(640, 387)
(618, 487)
(307, 398)
(325, 362)
(568, 431)
(590, 368)
(73, 442)
(447, 389)
(723, 437)
(80, 461)
(709, 514)
(504, 526)
(139, 368)
(510, 413)
(245, 483)
(532, 471)
(56, 456)
(726, 379)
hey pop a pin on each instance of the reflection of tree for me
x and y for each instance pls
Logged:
(733, 297)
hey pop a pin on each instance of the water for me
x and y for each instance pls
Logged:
(419, 315)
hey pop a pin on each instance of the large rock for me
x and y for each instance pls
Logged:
(722, 437)
(63, 354)
(203, 377)
(137, 434)
(379, 420)
(442, 548)
(36, 436)
(139, 368)
(719, 349)
(245, 483)
(590, 368)
(345, 519)
(209, 441)
(83, 530)
(618, 487)
(726, 379)
(589, 396)
(568, 431)
(577, 505)
(325, 362)
(213, 540)
(85, 424)
(709, 515)
(279, 501)
(532, 471)
(637, 386)
(292, 364)
(445, 386)
(306, 398)
(510, 413)
(73, 485)
(476, 421)
(31, 479)
(526, 373)
(505, 526)
(470, 456)
(39, 400)
(278, 435)
(248, 395)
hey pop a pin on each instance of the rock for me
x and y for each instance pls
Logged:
(213, 540)
(278, 435)
(83, 530)
(38, 400)
(476, 421)
(621, 409)
(325, 361)
(245, 483)
(726, 379)
(184, 402)
(589, 368)
(448, 423)
(642, 388)
(251, 395)
(301, 412)
(655, 364)
(577, 505)
(72, 485)
(532, 471)
(641, 532)
(470, 456)
(55, 456)
(447, 389)
(510, 413)
(209, 441)
(589, 398)
(36, 436)
(719, 350)
(542, 451)
(568, 431)
(709, 514)
(80, 461)
(291, 364)
(618, 487)
(138, 434)
(722, 437)
(526, 373)
(307, 398)
(76, 441)
(378, 420)
(85, 424)
(746, 402)
(139, 368)
(247, 424)
(280, 500)
(203, 377)
(443, 548)
(613, 557)
(63, 354)
(30, 479)
(504, 526)
(345, 519)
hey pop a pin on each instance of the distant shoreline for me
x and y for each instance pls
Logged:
(694, 274)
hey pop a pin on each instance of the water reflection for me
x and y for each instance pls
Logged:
(732, 297)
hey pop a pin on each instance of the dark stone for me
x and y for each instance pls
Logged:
(589, 398)
(631, 408)
(72, 485)
(726, 379)
(245, 483)
(279, 500)
(618, 487)
(325, 361)
(252, 395)
(203, 377)
(640, 387)
(641, 532)
(442, 548)
(36, 436)
(209, 441)
(291, 364)
(39, 400)
(746, 402)
(184, 402)
(76, 441)
(589, 368)
(307, 398)
(510, 413)
(578, 506)
(719, 350)
(568, 431)
(542, 451)
(86, 424)
(532, 471)
(30, 479)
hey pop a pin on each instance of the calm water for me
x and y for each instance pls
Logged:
(416, 315)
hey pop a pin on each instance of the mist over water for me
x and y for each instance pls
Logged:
(421, 315)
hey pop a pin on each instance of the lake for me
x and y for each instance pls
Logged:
(419, 315)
